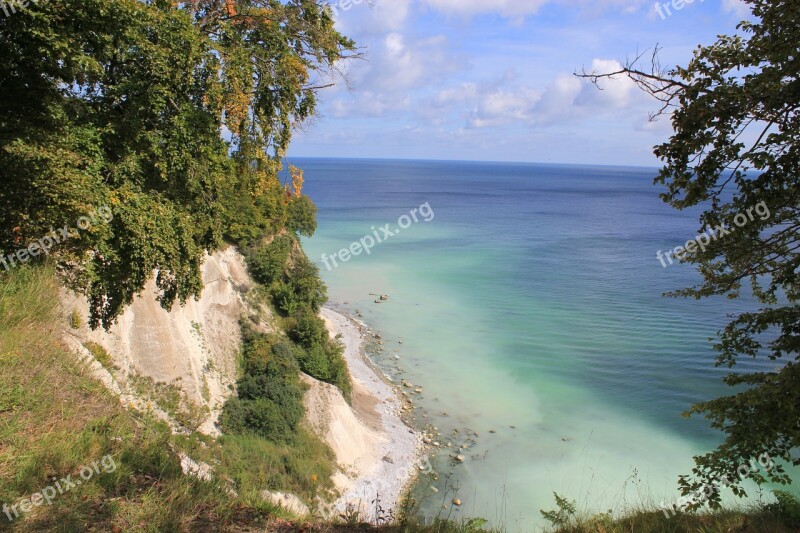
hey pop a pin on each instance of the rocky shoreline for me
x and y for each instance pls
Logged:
(392, 450)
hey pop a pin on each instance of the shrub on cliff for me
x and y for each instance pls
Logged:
(308, 330)
(268, 263)
(302, 216)
(321, 356)
(302, 288)
(262, 417)
(270, 401)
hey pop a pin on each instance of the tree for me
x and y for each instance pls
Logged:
(734, 111)
(120, 103)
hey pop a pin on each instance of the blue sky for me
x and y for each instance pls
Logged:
(493, 79)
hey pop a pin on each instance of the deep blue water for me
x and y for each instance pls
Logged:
(534, 299)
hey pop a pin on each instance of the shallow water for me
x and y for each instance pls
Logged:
(533, 300)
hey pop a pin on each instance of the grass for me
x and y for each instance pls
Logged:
(720, 521)
(780, 517)
(100, 353)
(303, 467)
(171, 399)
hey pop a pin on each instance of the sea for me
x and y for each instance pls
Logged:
(527, 302)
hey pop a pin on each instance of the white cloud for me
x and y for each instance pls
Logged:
(397, 67)
(394, 44)
(515, 9)
(565, 98)
(737, 7)
(370, 17)
(473, 7)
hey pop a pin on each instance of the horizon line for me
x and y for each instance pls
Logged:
(424, 160)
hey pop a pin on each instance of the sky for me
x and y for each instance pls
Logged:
(493, 80)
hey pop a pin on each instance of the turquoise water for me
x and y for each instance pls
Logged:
(532, 299)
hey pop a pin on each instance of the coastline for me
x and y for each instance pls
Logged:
(390, 448)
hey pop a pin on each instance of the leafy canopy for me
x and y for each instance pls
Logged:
(174, 115)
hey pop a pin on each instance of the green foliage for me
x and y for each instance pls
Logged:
(308, 330)
(762, 417)
(304, 287)
(301, 287)
(293, 280)
(125, 109)
(564, 515)
(270, 402)
(268, 263)
(475, 524)
(261, 417)
(284, 298)
(75, 321)
(302, 216)
(314, 362)
(787, 506)
(99, 353)
(320, 356)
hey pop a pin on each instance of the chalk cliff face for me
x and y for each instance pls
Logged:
(186, 360)
(192, 347)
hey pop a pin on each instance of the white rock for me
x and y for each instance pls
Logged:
(290, 502)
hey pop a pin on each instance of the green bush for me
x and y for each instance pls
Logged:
(300, 289)
(268, 263)
(270, 383)
(308, 330)
(306, 284)
(320, 356)
(270, 354)
(302, 216)
(340, 374)
(261, 417)
(284, 298)
(232, 420)
(285, 392)
(314, 362)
